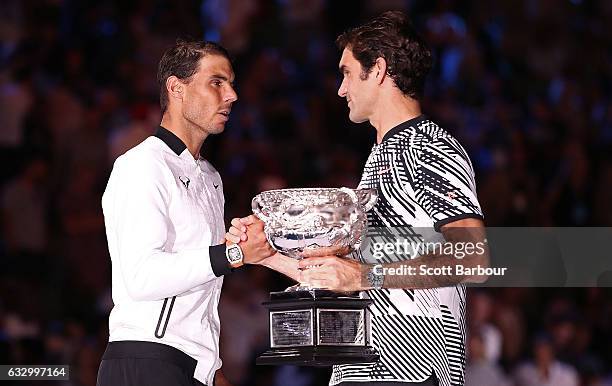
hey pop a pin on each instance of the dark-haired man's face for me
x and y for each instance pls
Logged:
(209, 95)
(359, 92)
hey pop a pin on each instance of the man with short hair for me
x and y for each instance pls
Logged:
(163, 211)
(424, 178)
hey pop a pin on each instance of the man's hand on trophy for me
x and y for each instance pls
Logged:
(251, 239)
(331, 272)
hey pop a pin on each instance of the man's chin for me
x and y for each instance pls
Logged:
(357, 119)
(218, 129)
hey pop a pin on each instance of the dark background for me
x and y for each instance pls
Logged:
(525, 86)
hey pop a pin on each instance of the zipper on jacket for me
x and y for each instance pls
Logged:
(161, 317)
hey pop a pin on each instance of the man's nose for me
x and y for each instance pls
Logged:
(230, 95)
(342, 89)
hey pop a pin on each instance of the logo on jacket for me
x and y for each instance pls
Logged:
(185, 181)
(383, 171)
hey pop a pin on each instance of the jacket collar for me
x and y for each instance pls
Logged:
(171, 140)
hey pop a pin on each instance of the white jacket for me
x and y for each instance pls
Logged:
(163, 212)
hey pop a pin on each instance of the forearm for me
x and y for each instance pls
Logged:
(417, 273)
(283, 264)
(154, 275)
(439, 269)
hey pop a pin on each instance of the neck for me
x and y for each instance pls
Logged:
(192, 136)
(391, 111)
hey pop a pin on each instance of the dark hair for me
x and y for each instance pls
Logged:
(181, 60)
(392, 37)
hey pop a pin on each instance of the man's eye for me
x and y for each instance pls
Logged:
(216, 83)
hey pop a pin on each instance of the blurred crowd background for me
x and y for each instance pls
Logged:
(525, 86)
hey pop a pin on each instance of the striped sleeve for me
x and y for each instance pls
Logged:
(444, 183)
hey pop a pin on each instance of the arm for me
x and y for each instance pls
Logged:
(136, 213)
(444, 186)
(283, 264)
(135, 208)
(340, 274)
(461, 231)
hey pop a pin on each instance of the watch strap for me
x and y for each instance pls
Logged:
(375, 280)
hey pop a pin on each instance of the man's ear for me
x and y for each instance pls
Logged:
(380, 69)
(175, 87)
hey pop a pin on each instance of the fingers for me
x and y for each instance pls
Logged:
(318, 284)
(314, 278)
(256, 228)
(233, 239)
(330, 272)
(235, 231)
(238, 229)
(237, 234)
(255, 245)
(239, 225)
(319, 260)
(242, 223)
(248, 220)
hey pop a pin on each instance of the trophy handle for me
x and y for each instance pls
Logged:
(257, 211)
(367, 198)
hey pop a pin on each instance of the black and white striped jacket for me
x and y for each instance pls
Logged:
(424, 179)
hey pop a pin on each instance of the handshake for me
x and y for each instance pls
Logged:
(248, 233)
(323, 268)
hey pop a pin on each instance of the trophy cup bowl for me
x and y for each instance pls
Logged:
(332, 220)
(311, 326)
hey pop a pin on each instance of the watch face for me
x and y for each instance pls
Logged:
(234, 254)
(376, 281)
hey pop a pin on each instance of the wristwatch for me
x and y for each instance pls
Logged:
(234, 255)
(375, 280)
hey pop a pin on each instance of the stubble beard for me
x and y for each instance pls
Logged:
(206, 128)
(212, 129)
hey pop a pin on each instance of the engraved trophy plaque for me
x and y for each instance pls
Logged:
(310, 326)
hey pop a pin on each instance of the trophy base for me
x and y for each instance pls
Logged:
(299, 292)
(297, 287)
(318, 328)
(317, 356)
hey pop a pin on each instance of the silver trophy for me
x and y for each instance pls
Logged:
(300, 219)
(310, 326)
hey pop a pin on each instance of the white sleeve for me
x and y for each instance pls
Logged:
(136, 214)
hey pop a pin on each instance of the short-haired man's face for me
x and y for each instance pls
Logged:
(209, 94)
(359, 92)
